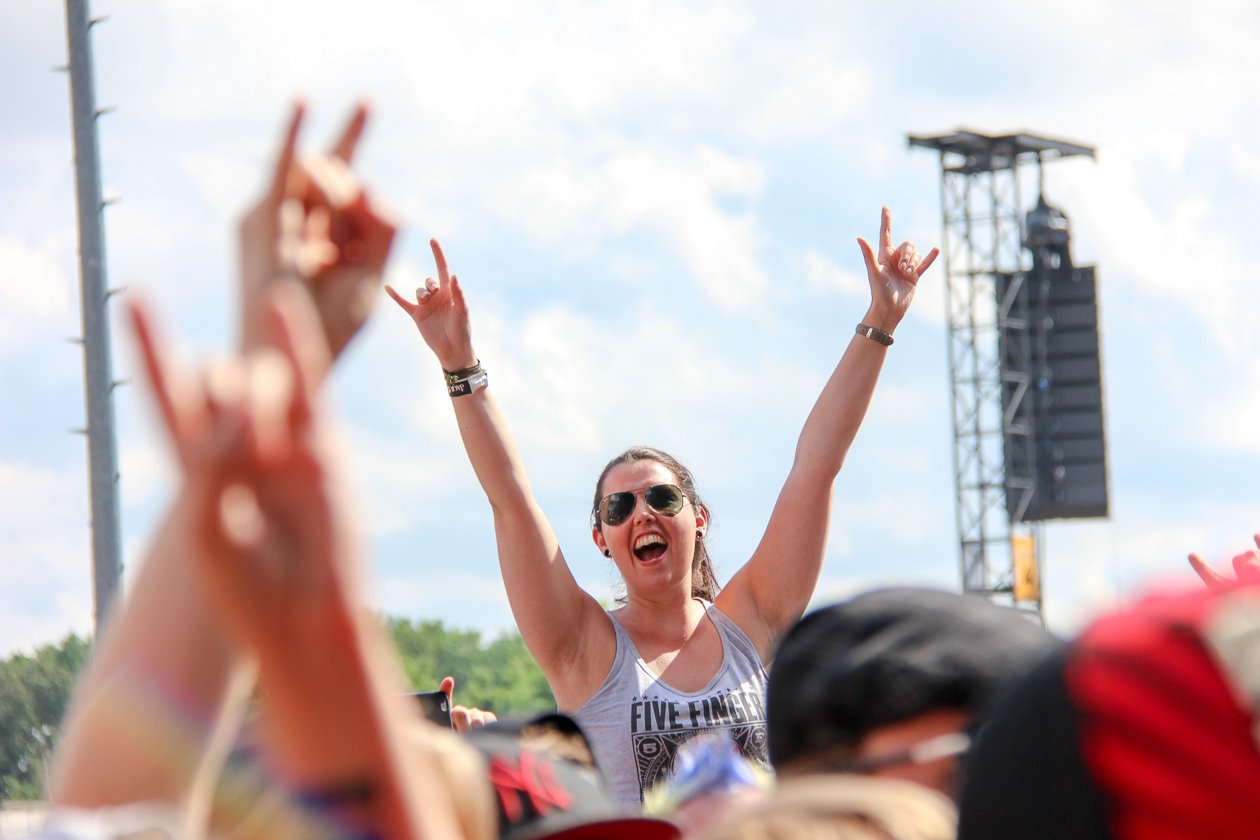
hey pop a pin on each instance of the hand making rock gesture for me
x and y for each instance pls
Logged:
(441, 314)
(893, 274)
(317, 224)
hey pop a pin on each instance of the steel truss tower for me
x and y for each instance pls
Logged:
(983, 233)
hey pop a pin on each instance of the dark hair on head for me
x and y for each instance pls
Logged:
(703, 581)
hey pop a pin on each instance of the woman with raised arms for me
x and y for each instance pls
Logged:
(679, 657)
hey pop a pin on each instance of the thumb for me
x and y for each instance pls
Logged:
(406, 305)
(868, 255)
(1212, 578)
(447, 687)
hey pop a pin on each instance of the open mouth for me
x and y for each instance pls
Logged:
(649, 547)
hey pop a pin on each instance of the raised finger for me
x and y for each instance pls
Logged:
(444, 276)
(152, 354)
(288, 152)
(1214, 579)
(868, 256)
(407, 306)
(885, 231)
(349, 139)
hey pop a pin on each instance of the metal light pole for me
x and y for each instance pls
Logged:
(98, 378)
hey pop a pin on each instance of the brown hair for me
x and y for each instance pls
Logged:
(703, 581)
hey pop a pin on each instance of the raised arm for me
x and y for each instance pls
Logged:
(546, 601)
(276, 551)
(164, 663)
(774, 587)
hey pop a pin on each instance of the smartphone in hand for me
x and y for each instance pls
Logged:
(436, 706)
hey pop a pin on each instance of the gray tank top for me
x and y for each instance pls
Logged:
(636, 723)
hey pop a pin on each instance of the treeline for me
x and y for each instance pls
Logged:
(496, 674)
(34, 691)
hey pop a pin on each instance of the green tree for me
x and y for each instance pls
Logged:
(34, 692)
(499, 676)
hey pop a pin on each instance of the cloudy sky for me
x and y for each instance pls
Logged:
(653, 208)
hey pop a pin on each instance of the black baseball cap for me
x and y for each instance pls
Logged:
(887, 656)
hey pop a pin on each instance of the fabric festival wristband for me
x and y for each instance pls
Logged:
(471, 385)
(875, 334)
(453, 376)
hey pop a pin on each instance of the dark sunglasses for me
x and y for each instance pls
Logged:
(616, 508)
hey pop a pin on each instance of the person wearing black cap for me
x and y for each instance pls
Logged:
(889, 683)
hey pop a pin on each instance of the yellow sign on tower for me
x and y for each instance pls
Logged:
(1027, 583)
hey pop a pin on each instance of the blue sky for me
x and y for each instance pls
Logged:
(653, 208)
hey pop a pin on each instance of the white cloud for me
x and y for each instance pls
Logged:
(35, 289)
(1233, 421)
(676, 198)
(1182, 255)
(484, 74)
(408, 488)
(812, 97)
(1246, 161)
(228, 183)
(45, 579)
(823, 275)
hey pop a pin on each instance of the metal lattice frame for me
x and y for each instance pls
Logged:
(982, 220)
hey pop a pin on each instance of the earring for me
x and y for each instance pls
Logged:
(699, 535)
(608, 552)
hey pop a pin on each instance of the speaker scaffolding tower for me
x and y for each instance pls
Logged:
(985, 262)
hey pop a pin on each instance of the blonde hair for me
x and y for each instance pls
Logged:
(464, 771)
(841, 807)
